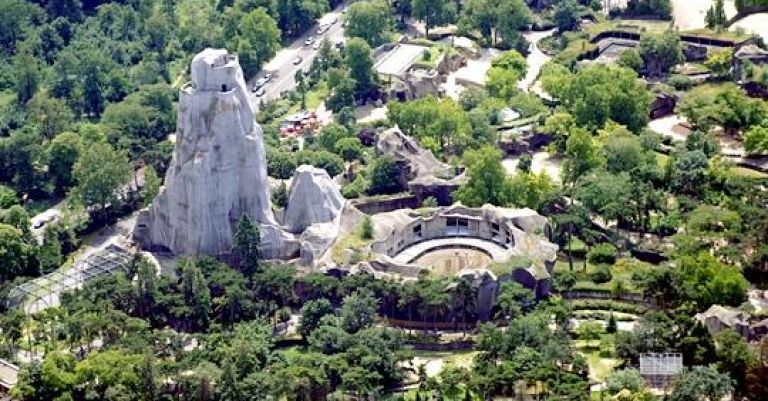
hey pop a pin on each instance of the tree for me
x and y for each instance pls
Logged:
(342, 90)
(625, 379)
(368, 20)
(440, 125)
(487, 179)
(582, 155)
(28, 75)
(151, 185)
(631, 59)
(735, 357)
(720, 62)
(706, 281)
(357, 56)
(494, 18)
(52, 115)
(367, 229)
(597, 94)
(15, 253)
(688, 172)
(513, 300)
(607, 194)
(100, 174)
(331, 135)
(530, 190)
(311, 313)
(385, 176)
(661, 52)
(358, 311)
(247, 243)
(506, 70)
(567, 15)
(590, 331)
(147, 378)
(701, 384)
(63, 152)
(350, 149)
(756, 140)
(433, 12)
(715, 17)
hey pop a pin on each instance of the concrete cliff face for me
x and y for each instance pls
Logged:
(314, 198)
(218, 172)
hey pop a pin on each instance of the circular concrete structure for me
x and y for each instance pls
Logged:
(448, 256)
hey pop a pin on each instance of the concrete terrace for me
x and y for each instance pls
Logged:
(399, 59)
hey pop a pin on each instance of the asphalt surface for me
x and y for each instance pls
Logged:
(282, 66)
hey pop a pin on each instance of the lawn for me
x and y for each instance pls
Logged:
(354, 240)
(622, 271)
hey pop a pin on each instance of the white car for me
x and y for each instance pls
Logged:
(323, 28)
(316, 45)
(297, 60)
(260, 92)
(335, 19)
(309, 41)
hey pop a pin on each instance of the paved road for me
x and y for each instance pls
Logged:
(282, 66)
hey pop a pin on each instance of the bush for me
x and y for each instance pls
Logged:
(349, 149)
(680, 82)
(367, 229)
(602, 254)
(280, 164)
(385, 176)
(8, 197)
(602, 274)
(429, 201)
(355, 188)
(323, 159)
(609, 305)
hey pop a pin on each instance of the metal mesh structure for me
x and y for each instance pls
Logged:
(660, 370)
(44, 291)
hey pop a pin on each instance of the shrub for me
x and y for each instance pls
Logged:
(280, 164)
(367, 229)
(611, 326)
(429, 201)
(680, 82)
(355, 188)
(602, 254)
(323, 159)
(8, 197)
(385, 176)
(602, 274)
(280, 196)
(349, 149)
(605, 304)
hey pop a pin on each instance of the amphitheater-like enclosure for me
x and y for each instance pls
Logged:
(449, 240)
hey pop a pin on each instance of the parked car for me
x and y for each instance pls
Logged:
(260, 92)
(316, 45)
(323, 28)
(297, 60)
(268, 77)
(259, 84)
(335, 19)
(309, 41)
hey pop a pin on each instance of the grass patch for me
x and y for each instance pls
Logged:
(354, 240)
(600, 367)
(748, 172)
(622, 271)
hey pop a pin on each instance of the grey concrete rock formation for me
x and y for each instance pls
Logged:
(314, 198)
(421, 162)
(423, 173)
(218, 171)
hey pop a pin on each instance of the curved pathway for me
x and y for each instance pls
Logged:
(536, 58)
(410, 253)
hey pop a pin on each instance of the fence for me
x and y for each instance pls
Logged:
(43, 292)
